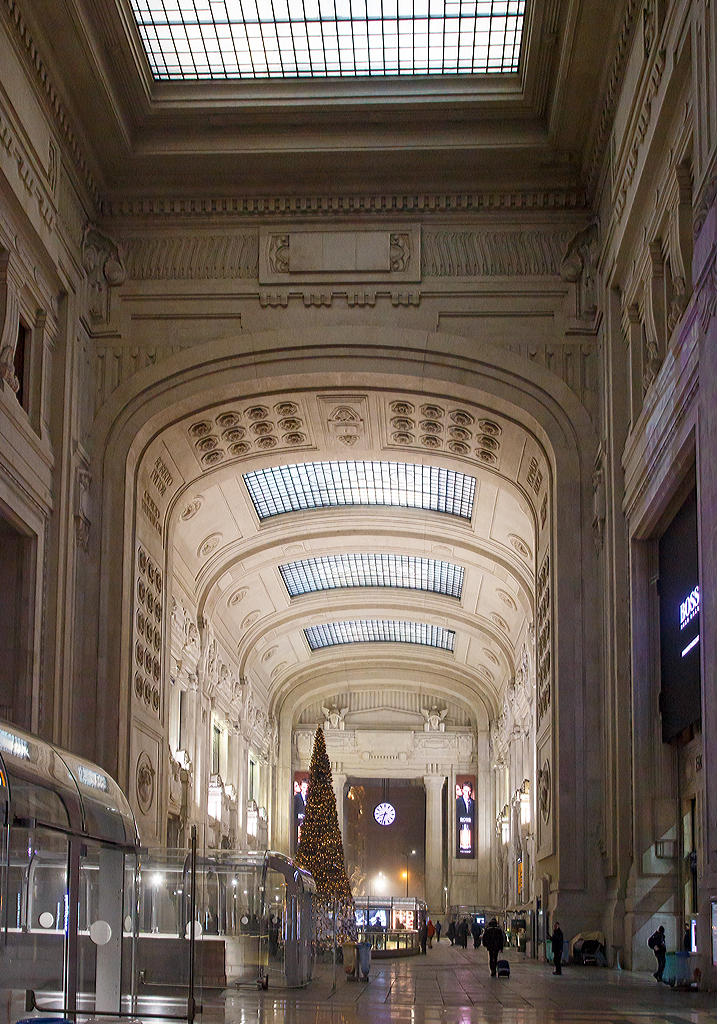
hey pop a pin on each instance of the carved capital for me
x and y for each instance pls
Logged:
(104, 264)
(9, 317)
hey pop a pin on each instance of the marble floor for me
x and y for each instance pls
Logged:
(453, 986)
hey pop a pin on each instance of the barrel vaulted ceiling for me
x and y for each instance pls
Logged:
(440, 595)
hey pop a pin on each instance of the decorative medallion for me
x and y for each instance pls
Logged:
(142, 558)
(431, 441)
(459, 448)
(147, 692)
(486, 441)
(141, 591)
(257, 412)
(138, 685)
(266, 442)
(431, 427)
(433, 412)
(544, 791)
(140, 623)
(200, 429)
(278, 669)
(250, 619)
(460, 433)
(150, 572)
(490, 655)
(139, 652)
(499, 621)
(144, 782)
(401, 408)
(490, 427)
(401, 438)
(462, 418)
(486, 673)
(286, 409)
(291, 423)
(240, 448)
(234, 434)
(155, 699)
(212, 458)
(267, 655)
(402, 423)
(192, 508)
(207, 444)
(150, 601)
(520, 546)
(264, 427)
(487, 457)
(506, 599)
(237, 596)
(228, 419)
(295, 438)
(209, 544)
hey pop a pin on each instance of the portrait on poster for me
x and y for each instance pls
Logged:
(465, 815)
(301, 789)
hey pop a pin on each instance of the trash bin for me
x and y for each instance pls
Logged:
(364, 954)
(677, 969)
(349, 951)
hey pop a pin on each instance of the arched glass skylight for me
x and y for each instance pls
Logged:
(332, 572)
(325, 484)
(379, 631)
(229, 39)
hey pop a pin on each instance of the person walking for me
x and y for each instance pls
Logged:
(423, 936)
(451, 933)
(476, 932)
(463, 933)
(431, 931)
(656, 942)
(438, 930)
(493, 940)
(558, 942)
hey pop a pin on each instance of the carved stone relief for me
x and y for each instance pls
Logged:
(147, 648)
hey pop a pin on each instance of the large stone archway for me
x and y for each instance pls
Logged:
(144, 499)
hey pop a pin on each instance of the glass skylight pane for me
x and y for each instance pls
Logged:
(332, 572)
(379, 631)
(326, 484)
(191, 39)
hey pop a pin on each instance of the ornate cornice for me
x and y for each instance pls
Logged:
(533, 201)
(489, 253)
(42, 77)
(612, 94)
(193, 257)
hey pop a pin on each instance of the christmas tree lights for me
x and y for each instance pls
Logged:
(321, 852)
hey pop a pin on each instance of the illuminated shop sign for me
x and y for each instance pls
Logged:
(690, 607)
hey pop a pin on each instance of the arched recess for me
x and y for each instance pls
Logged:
(433, 364)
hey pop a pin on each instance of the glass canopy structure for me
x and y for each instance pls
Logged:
(254, 39)
(332, 572)
(379, 631)
(329, 484)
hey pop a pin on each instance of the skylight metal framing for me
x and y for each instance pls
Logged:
(333, 572)
(259, 39)
(379, 631)
(310, 485)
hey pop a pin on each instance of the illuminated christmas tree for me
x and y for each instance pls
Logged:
(321, 852)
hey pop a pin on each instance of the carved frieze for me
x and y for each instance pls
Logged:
(193, 257)
(492, 253)
(248, 429)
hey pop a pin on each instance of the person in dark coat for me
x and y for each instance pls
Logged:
(438, 931)
(423, 936)
(493, 940)
(476, 932)
(659, 948)
(558, 943)
(463, 933)
(451, 933)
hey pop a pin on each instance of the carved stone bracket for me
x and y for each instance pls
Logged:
(82, 520)
(9, 318)
(579, 266)
(104, 263)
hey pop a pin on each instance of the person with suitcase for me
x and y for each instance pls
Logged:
(494, 941)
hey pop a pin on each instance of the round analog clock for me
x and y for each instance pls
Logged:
(385, 813)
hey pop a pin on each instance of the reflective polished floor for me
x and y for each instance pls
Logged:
(453, 986)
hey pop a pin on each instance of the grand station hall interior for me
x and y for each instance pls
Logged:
(358, 370)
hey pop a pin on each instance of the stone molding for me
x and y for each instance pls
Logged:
(193, 257)
(612, 94)
(448, 253)
(533, 201)
(493, 253)
(627, 176)
(42, 76)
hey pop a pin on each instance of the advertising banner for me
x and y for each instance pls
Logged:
(301, 786)
(465, 815)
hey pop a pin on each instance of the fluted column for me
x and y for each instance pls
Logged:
(434, 844)
(338, 780)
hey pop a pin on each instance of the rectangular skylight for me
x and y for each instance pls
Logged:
(379, 631)
(325, 484)
(359, 570)
(229, 39)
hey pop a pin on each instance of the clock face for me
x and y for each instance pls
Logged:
(385, 814)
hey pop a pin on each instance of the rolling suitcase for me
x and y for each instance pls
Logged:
(503, 969)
